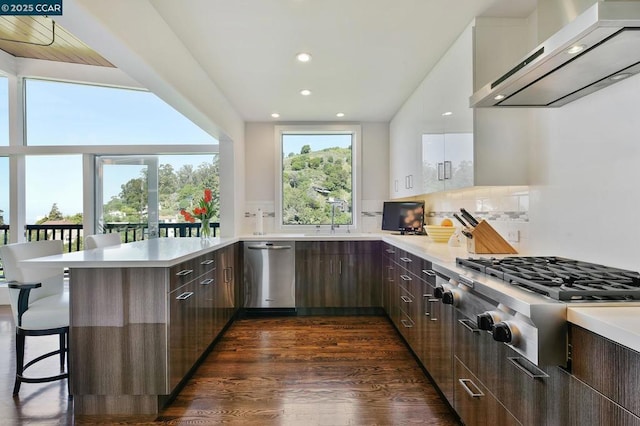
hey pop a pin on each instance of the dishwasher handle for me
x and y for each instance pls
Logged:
(267, 247)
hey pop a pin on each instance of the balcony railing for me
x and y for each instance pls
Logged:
(72, 236)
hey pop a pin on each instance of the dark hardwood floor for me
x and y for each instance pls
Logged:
(268, 371)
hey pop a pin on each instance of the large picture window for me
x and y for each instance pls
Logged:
(60, 113)
(317, 179)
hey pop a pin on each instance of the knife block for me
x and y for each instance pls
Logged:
(486, 240)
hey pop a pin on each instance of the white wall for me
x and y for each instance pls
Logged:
(260, 173)
(585, 175)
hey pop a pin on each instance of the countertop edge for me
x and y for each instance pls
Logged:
(610, 322)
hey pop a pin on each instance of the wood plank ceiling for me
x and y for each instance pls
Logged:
(39, 37)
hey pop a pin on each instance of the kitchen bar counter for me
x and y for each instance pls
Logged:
(156, 252)
(620, 324)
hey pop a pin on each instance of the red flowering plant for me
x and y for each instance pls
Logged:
(203, 211)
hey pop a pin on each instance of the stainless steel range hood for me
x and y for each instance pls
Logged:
(599, 48)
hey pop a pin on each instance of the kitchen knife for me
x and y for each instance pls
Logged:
(464, 230)
(460, 220)
(467, 216)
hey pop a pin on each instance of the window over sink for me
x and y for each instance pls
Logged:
(317, 175)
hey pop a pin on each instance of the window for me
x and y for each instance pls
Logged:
(53, 189)
(4, 111)
(80, 114)
(317, 180)
(4, 199)
(140, 192)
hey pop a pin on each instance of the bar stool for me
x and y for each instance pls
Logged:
(101, 240)
(39, 304)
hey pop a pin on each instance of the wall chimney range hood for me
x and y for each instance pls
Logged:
(599, 48)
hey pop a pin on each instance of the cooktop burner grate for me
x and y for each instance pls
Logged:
(559, 278)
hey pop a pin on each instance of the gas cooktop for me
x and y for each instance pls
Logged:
(561, 279)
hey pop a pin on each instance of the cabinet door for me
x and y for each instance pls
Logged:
(183, 339)
(314, 279)
(226, 270)
(587, 406)
(206, 300)
(458, 160)
(439, 347)
(357, 280)
(433, 169)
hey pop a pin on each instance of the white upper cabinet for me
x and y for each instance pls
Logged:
(438, 143)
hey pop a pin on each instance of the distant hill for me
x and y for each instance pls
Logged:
(310, 179)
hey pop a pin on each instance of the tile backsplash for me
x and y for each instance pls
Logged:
(506, 208)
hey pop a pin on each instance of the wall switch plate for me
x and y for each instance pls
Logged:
(513, 236)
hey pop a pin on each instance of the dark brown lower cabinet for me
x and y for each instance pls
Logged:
(606, 380)
(338, 274)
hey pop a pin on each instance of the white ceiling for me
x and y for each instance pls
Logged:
(368, 55)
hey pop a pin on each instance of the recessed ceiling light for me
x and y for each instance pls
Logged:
(446, 114)
(275, 115)
(340, 114)
(576, 49)
(303, 57)
(305, 92)
(620, 76)
(499, 97)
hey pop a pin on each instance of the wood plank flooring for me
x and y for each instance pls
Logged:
(271, 371)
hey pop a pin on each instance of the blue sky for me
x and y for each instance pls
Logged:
(74, 114)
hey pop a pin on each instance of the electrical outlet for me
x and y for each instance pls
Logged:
(513, 236)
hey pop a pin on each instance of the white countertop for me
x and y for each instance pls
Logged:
(620, 324)
(156, 252)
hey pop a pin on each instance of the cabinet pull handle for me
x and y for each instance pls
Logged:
(185, 295)
(390, 251)
(406, 323)
(207, 281)
(440, 171)
(405, 277)
(227, 274)
(207, 262)
(395, 185)
(429, 272)
(536, 374)
(429, 314)
(406, 299)
(469, 325)
(447, 170)
(463, 383)
(406, 260)
(410, 181)
(184, 272)
(339, 267)
(406, 182)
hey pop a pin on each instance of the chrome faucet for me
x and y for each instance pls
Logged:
(333, 217)
(334, 202)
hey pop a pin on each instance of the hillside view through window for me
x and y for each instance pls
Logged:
(316, 178)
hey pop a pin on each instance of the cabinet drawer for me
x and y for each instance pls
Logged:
(606, 366)
(182, 274)
(474, 403)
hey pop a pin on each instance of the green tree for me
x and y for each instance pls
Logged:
(305, 149)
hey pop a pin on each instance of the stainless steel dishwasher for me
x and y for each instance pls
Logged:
(269, 275)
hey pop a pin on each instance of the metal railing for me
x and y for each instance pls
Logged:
(71, 234)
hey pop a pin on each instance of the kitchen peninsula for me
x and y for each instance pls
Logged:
(141, 316)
